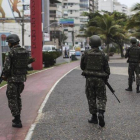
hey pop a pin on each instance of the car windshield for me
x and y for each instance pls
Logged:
(53, 48)
(46, 48)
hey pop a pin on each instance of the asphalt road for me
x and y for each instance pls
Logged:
(65, 115)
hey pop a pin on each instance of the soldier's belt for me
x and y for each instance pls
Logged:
(94, 74)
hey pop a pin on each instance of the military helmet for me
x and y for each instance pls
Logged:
(133, 40)
(95, 41)
(13, 38)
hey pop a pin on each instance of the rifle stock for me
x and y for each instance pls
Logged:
(112, 90)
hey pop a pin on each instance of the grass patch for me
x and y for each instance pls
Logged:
(3, 83)
(32, 71)
(61, 64)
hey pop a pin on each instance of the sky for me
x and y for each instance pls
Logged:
(129, 3)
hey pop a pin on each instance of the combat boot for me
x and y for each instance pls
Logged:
(17, 122)
(137, 89)
(101, 118)
(129, 88)
(93, 119)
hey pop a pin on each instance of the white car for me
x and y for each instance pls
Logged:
(71, 52)
(49, 48)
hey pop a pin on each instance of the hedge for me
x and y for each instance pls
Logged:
(49, 58)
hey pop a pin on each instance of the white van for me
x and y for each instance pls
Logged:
(49, 48)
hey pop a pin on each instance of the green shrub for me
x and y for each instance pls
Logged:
(49, 58)
(111, 49)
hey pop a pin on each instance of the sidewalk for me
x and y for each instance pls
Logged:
(65, 115)
(36, 89)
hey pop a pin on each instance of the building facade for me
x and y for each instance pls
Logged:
(73, 9)
(111, 6)
(105, 5)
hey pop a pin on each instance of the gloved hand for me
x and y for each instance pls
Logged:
(106, 79)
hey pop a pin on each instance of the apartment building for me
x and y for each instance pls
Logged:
(106, 5)
(91, 5)
(74, 9)
(112, 5)
(55, 12)
(95, 5)
(120, 7)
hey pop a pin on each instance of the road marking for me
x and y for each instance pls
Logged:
(31, 130)
(30, 75)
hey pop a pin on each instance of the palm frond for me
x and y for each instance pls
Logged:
(136, 7)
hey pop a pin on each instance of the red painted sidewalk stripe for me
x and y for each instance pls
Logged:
(36, 89)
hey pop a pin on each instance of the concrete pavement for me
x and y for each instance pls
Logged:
(65, 115)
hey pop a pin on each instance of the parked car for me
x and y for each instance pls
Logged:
(82, 50)
(49, 48)
(71, 52)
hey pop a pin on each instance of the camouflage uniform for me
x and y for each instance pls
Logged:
(133, 55)
(16, 76)
(96, 69)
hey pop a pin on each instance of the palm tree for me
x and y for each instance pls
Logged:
(136, 7)
(134, 21)
(109, 26)
(122, 35)
(106, 28)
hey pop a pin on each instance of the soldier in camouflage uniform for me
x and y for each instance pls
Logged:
(14, 72)
(133, 55)
(96, 71)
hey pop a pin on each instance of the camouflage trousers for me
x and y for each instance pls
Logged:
(13, 93)
(132, 70)
(96, 94)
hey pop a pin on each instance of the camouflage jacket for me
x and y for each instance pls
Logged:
(133, 54)
(83, 64)
(7, 70)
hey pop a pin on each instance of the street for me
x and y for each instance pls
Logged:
(65, 115)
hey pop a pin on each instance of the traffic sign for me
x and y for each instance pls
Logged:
(67, 22)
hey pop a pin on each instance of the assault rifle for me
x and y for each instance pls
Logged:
(112, 90)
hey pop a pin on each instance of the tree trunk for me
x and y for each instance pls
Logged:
(108, 49)
(107, 52)
(121, 50)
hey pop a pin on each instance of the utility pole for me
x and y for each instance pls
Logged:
(46, 17)
(0, 57)
(23, 26)
(73, 36)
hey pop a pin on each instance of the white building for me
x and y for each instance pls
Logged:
(112, 5)
(66, 9)
(105, 5)
(95, 5)
(73, 9)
